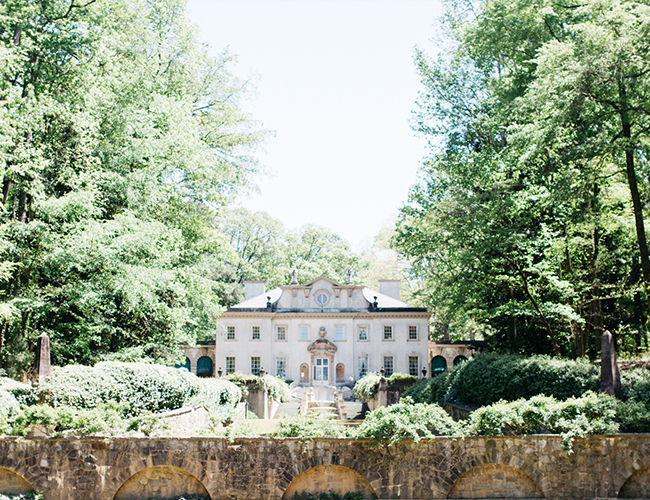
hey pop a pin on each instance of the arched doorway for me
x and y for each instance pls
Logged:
(327, 478)
(459, 359)
(204, 367)
(161, 481)
(438, 365)
(185, 365)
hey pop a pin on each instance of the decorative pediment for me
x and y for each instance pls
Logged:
(322, 346)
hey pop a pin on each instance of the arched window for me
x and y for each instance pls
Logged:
(186, 365)
(438, 365)
(204, 367)
(459, 359)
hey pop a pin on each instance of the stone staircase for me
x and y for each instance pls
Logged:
(321, 407)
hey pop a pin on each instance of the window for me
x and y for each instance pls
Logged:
(322, 299)
(304, 333)
(413, 332)
(281, 333)
(255, 365)
(255, 333)
(388, 366)
(363, 333)
(414, 366)
(321, 369)
(230, 333)
(388, 332)
(363, 365)
(340, 331)
(281, 367)
(230, 364)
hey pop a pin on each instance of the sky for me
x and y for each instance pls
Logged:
(337, 85)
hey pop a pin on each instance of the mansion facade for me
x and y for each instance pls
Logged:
(322, 332)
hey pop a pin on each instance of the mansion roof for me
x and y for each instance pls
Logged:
(322, 295)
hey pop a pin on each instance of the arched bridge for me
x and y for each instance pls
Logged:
(275, 469)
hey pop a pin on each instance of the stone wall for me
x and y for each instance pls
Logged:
(263, 468)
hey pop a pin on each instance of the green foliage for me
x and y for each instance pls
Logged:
(276, 388)
(307, 428)
(576, 417)
(29, 496)
(22, 392)
(138, 387)
(120, 137)
(366, 387)
(9, 411)
(521, 229)
(636, 385)
(216, 395)
(490, 377)
(263, 249)
(104, 419)
(391, 424)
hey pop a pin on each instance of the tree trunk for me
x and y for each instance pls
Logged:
(634, 191)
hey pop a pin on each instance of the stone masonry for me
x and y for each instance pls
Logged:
(274, 468)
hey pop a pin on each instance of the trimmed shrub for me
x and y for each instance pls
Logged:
(22, 392)
(62, 420)
(490, 377)
(391, 424)
(576, 417)
(137, 387)
(309, 428)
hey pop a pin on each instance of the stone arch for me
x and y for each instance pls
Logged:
(13, 483)
(495, 481)
(161, 481)
(325, 478)
(204, 367)
(340, 371)
(637, 485)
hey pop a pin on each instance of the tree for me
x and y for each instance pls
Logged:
(120, 137)
(519, 219)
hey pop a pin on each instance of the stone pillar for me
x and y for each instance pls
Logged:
(382, 393)
(610, 382)
(43, 367)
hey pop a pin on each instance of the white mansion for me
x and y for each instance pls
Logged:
(322, 332)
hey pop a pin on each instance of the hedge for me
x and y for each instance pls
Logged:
(137, 387)
(490, 377)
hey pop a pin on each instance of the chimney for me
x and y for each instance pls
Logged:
(390, 288)
(253, 289)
